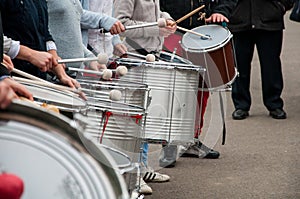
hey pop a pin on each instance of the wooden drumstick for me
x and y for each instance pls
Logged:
(193, 32)
(29, 76)
(47, 84)
(189, 14)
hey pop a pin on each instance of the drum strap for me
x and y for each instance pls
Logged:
(223, 118)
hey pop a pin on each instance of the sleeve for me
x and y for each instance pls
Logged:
(11, 47)
(123, 11)
(116, 40)
(94, 20)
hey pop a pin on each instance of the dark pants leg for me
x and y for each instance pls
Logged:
(269, 45)
(244, 48)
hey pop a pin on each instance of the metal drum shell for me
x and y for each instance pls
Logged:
(173, 94)
(117, 125)
(133, 93)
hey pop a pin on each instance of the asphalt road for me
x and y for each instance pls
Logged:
(261, 156)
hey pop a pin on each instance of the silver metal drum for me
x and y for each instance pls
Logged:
(215, 54)
(116, 125)
(67, 102)
(131, 92)
(46, 151)
(173, 94)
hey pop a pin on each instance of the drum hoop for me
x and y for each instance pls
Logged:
(175, 56)
(95, 84)
(159, 64)
(216, 47)
(101, 107)
(60, 105)
(224, 86)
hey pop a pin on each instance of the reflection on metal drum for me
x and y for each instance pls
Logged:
(173, 99)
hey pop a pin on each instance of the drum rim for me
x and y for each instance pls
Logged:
(64, 106)
(212, 48)
(177, 57)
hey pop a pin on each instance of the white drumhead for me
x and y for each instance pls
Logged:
(63, 100)
(218, 35)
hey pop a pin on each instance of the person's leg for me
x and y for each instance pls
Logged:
(269, 45)
(244, 48)
(202, 99)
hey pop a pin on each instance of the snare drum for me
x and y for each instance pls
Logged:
(67, 102)
(133, 93)
(173, 94)
(46, 151)
(215, 54)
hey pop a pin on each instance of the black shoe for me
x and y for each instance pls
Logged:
(200, 150)
(169, 154)
(278, 114)
(240, 114)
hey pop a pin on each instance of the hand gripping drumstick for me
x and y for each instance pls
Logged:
(161, 22)
(101, 58)
(193, 32)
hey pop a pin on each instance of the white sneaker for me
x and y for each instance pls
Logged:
(144, 188)
(152, 176)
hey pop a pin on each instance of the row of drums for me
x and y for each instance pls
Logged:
(93, 148)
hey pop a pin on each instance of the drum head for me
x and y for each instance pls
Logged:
(65, 101)
(218, 35)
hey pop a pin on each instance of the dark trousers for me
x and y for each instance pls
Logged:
(268, 45)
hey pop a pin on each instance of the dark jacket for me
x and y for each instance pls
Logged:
(26, 21)
(259, 14)
(179, 8)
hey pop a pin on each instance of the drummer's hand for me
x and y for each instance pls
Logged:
(7, 62)
(216, 18)
(171, 25)
(43, 60)
(117, 28)
(119, 49)
(9, 90)
(94, 65)
(165, 32)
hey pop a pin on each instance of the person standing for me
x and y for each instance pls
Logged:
(144, 41)
(259, 23)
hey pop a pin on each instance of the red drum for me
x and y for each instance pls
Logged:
(215, 54)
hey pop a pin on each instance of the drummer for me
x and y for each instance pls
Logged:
(33, 32)
(144, 41)
(213, 12)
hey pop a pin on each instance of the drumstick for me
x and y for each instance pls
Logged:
(101, 58)
(106, 73)
(47, 84)
(189, 14)
(161, 22)
(29, 76)
(193, 32)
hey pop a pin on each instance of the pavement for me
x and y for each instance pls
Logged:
(260, 158)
